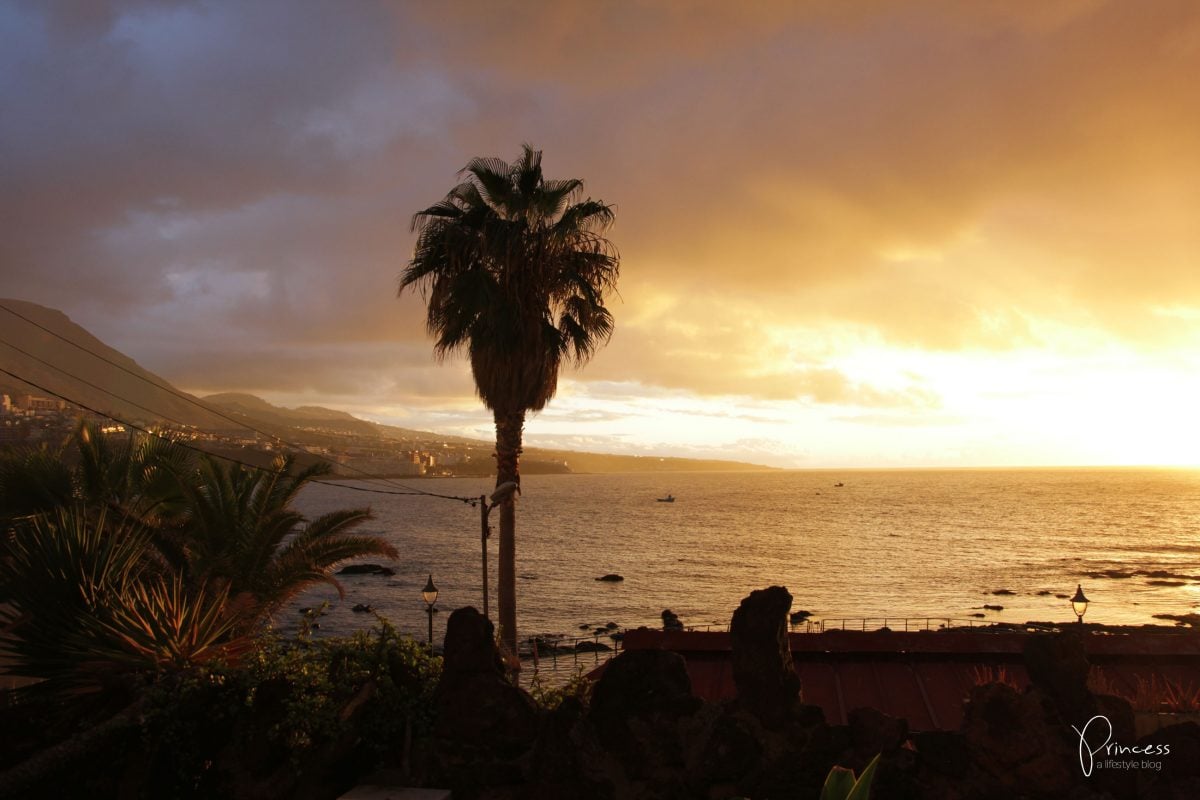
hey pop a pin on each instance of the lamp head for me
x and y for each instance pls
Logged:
(503, 492)
(430, 592)
(1079, 602)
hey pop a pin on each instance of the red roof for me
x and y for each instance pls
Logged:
(921, 676)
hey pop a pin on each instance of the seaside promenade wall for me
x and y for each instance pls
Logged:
(924, 676)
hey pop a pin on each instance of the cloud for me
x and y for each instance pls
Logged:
(224, 190)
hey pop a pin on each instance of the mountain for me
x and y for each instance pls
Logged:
(251, 408)
(44, 353)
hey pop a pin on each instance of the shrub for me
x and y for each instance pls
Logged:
(292, 708)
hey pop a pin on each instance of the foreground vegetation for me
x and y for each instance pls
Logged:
(137, 582)
(298, 718)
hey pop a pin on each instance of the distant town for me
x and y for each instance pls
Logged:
(355, 448)
(32, 419)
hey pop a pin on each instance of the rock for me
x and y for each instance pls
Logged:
(470, 645)
(362, 608)
(797, 617)
(1015, 751)
(556, 761)
(1045, 593)
(366, 569)
(977, 614)
(612, 626)
(1003, 591)
(670, 621)
(944, 752)
(612, 577)
(599, 631)
(591, 647)
(767, 683)
(730, 751)
(1181, 744)
(987, 607)
(637, 709)
(1058, 668)
(484, 725)
(872, 731)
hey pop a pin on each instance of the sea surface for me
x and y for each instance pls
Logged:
(902, 544)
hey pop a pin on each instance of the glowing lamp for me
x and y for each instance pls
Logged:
(1079, 603)
(429, 594)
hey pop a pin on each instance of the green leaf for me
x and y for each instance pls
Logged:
(838, 784)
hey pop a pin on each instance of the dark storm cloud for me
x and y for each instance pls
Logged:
(221, 188)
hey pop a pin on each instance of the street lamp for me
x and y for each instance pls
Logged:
(1079, 602)
(502, 493)
(430, 593)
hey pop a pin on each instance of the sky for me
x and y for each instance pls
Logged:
(864, 234)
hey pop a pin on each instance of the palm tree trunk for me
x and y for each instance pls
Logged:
(509, 428)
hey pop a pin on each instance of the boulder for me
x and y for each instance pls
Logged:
(612, 577)
(484, 724)
(1058, 668)
(872, 731)
(470, 645)
(366, 569)
(638, 709)
(1015, 749)
(766, 680)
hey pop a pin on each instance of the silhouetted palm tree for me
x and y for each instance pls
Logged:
(515, 269)
(241, 533)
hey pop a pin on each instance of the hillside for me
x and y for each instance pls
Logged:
(57, 356)
(111, 383)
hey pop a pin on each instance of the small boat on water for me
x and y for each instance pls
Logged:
(670, 498)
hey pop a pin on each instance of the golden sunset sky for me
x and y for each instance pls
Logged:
(853, 234)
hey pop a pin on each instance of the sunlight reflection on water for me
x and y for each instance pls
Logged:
(887, 543)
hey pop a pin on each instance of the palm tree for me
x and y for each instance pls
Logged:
(240, 532)
(515, 269)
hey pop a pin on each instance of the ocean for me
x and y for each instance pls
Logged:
(915, 544)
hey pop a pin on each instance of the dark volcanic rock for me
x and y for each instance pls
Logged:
(872, 731)
(485, 725)
(767, 683)
(637, 709)
(366, 569)
(612, 577)
(1015, 750)
(1058, 668)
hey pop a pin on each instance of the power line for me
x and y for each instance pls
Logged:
(202, 451)
(186, 398)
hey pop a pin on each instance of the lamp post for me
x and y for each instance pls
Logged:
(1079, 602)
(502, 493)
(430, 593)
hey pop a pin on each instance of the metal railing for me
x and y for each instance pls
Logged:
(906, 624)
(553, 653)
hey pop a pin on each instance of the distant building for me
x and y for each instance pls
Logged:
(41, 404)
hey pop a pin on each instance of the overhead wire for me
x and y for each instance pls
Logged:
(202, 451)
(180, 395)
